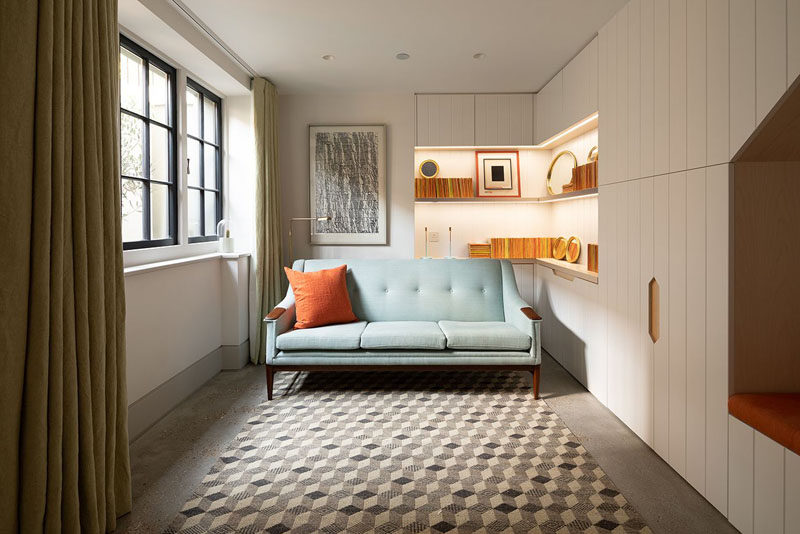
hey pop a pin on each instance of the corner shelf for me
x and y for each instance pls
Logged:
(583, 193)
(567, 269)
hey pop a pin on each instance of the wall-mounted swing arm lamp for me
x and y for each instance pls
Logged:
(310, 219)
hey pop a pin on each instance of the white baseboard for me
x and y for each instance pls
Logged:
(149, 409)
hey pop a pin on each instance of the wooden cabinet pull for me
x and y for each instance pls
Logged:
(654, 321)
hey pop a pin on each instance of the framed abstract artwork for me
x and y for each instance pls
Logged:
(497, 173)
(348, 184)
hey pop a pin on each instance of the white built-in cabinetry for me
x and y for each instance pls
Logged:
(682, 85)
(504, 119)
(764, 479)
(570, 96)
(494, 119)
(672, 392)
(445, 120)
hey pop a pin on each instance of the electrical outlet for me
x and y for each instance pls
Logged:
(433, 237)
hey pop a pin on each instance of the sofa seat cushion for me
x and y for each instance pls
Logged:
(489, 335)
(423, 335)
(331, 337)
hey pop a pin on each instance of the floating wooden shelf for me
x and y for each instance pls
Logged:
(524, 200)
(567, 269)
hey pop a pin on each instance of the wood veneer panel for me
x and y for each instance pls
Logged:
(766, 288)
(777, 138)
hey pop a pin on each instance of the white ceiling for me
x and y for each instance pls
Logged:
(525, 41)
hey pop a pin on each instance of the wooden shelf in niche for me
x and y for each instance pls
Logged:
(573, 270)
(526, 200)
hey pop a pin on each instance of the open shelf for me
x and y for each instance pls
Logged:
(572, 270)
(583, 193)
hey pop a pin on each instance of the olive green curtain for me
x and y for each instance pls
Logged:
(63, 409)
(266, 263)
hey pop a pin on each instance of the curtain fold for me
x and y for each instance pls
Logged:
(266, 268)
(64, 464)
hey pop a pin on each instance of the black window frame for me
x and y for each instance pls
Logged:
(205, 94)
(172, 131)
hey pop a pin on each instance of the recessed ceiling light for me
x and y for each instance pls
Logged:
(479, 55)
(402, 55)
(328, 57)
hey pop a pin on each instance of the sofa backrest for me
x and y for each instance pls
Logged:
(420, 290)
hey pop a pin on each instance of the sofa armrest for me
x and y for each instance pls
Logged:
(531, 314)
(519, 313)
(278, 321)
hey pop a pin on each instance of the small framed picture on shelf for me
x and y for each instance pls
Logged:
(497, 173)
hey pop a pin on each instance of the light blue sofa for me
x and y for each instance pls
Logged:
(413, 314)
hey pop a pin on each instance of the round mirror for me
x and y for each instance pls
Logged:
(428, 169)
(560, 172)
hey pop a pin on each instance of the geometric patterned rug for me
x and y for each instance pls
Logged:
(406, 453)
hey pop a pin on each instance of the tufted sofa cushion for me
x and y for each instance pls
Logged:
(331, 337)
(421, 290)
(484, 335)
(422, 335)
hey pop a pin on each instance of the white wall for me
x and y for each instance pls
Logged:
(396, 111)
(240, 184)
(173, 320)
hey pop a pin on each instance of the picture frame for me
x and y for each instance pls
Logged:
(497, 173)
(347, 182)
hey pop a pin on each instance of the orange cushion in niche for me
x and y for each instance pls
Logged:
(776, 415)
(321, 297)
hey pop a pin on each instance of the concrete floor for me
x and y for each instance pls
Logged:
(170, 459)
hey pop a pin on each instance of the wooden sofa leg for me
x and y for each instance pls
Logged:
(535, 372)
(270, 376)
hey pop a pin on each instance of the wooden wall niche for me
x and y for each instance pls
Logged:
(765, 263)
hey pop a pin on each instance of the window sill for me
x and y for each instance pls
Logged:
(177, 262)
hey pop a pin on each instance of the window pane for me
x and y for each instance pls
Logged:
(192, 112)
(210, 199)
(194, 162)
(159, 211)
(194, 212)
(210, 169)
(131, 81)
(132, 210)
(159, 153)
(209, 120)
(159, 95)
(132, 149)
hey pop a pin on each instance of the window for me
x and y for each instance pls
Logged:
(148, 148)
(204, 168)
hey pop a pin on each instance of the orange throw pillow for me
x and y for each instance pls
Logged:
(321, 297)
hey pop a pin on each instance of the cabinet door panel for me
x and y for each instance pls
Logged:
(661, 348)
(696, 328)
(445, 120)
(612, 254)
(580, 84)
(486, 119)
(770, 54)
(717, 237)
(644, 341)
(621, 146)
(634, 148)
(768, 489)
(423, 120)
(677, 85)
(793, 37)
(606, 48)
(661, 92)
(718, 83)
(740, 475)
(677, 322)
(647, 72)
(696, 73)
(742, 72)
